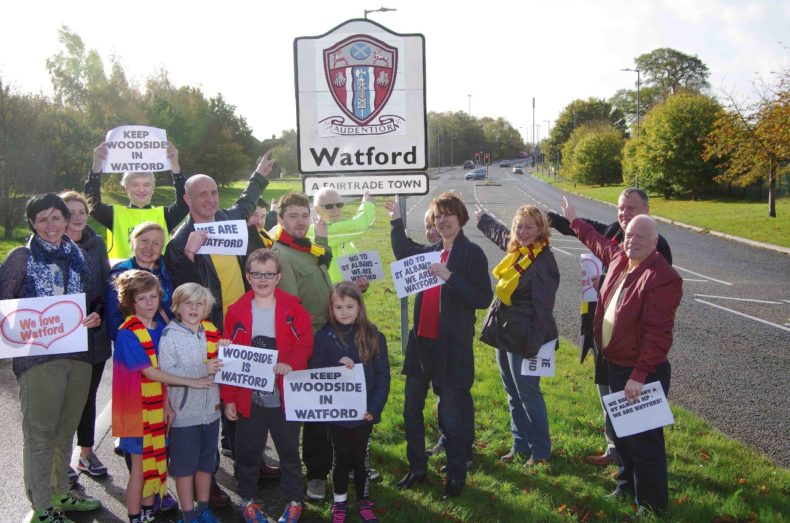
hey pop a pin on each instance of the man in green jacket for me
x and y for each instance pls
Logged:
(329, 207)
(304, 274)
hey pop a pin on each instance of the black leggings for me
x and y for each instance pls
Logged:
(350, 451)
(87, 426)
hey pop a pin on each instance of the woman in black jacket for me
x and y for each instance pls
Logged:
(98, 340)
(520, 321)
(439, 351)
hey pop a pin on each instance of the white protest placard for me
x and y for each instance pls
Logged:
(649, 411)
(248, 367)
(228, 237)
(328, 394)
(43, 326)
(136, 148)
(365, 264)
(592, 268)
(412, 275)
(543, 362)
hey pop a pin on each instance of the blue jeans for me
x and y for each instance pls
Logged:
(529, 421)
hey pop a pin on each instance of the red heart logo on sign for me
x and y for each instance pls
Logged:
(42, 328)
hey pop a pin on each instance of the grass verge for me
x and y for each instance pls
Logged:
(737, 217)
(712, 477)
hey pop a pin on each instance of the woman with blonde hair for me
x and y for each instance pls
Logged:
(520, 320)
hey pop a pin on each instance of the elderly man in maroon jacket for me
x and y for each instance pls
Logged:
(633, 323)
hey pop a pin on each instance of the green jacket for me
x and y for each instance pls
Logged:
(341, 233)
(305, 279)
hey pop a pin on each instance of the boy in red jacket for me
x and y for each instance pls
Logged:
(268, 318)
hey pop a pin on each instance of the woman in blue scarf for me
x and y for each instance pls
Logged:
(52, 388)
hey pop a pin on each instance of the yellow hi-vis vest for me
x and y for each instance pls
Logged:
(124, 220)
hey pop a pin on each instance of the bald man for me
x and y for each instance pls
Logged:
(632, 202)
(633, 324)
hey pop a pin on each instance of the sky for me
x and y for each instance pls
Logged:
(502, 53)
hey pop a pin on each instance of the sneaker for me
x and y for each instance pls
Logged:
(73, 500)
(291, 513)
(164, 504)
(435, 450)
(73, 476)
(50, 515)
(316, 489)
(373, 474)
(206, 517)
(92, 465)
(339, 512)
(365, 510)
(218, 497)
(252, 512)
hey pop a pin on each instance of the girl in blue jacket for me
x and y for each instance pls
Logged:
(349, 338)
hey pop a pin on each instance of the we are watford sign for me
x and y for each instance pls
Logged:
(360, 92)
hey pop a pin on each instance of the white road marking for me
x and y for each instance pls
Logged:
(782, 327)
(739, 299)
(786, 301)
(693, 279)
(702, 275)
(553, 247)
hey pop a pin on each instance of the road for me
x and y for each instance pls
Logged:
(730, 356)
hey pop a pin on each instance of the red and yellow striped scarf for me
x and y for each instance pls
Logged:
(153, 395)
(212, 337)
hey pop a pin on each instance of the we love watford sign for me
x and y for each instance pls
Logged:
(42, 326)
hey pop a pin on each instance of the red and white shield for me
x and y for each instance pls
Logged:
(360, 72)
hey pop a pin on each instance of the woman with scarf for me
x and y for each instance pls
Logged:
(147, 239)
(98, 341)
(53, 389)
(520, 320)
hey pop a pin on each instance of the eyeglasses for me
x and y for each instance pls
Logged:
(264, 275)
(328, 206)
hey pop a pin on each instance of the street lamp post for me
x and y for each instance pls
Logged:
(469, 97)
(379, 10)
(638, 83)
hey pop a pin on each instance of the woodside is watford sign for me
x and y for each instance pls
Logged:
(360, 100)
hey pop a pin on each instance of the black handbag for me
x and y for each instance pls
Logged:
(508, 329)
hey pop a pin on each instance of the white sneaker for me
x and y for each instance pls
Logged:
(316, 489)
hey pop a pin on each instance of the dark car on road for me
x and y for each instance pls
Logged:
(504, 163)
(477, 174)
(469, 164)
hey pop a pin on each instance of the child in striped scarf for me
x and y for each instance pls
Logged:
(141, 411)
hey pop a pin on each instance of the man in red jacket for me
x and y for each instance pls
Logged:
(633, 323)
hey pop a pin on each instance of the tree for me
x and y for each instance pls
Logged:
(664, 72)
(751, 144)
(671, 143)
(24, 155)
(579, 112)
(593, 154)
(670, 71)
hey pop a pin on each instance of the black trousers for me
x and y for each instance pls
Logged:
(456, 415)
(87, 426)
(316, 450)
(643, 456)
(350, 447)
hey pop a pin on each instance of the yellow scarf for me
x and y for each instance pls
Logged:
(154, 445)
(510, 269)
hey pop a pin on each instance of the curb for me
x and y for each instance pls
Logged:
(695, 228)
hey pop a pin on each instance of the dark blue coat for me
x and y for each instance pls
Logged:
(328, 350)
(448, 361)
